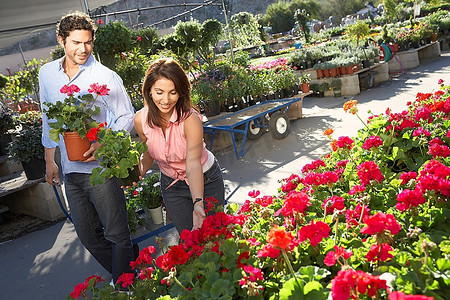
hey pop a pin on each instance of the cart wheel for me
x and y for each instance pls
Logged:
(254, 132)
(279, 125)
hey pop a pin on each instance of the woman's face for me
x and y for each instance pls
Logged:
(164, 96)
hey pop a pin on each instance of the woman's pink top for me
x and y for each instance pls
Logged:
(169, 151)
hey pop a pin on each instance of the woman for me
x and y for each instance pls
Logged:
(173, 131)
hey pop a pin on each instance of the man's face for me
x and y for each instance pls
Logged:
(77, 46)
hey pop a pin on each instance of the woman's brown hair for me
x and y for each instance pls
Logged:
(169, 69)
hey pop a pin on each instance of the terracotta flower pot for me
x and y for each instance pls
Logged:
(342, 70)
(349, 70)
(319, 73)
(75, 146)
(333, 72)
(305, 87)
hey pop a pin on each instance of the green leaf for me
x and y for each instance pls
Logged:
(442, 264)
(232, 208)
(311, 286)
(292, 290)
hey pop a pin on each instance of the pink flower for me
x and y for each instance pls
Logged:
(407, 199)
(372, 142)
(100, 22)
(368, 171)
(403, 296)
(98, 89)
(268, 251)
(407, 176)
(333, 256)
(139, 38)
(69, 90)
(440, 81)
(333, 203)
(254, 193)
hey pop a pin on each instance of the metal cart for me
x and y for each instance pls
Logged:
(254, 120)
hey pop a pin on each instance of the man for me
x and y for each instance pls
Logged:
(98, 212)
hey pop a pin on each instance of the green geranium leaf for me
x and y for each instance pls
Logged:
(312, 286)
(442, 264)
(292, 290)
(232, 208)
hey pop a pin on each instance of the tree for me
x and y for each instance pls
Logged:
(341, 8)
(192, 39)
(279, 17)
(112, 39)
(245, 30)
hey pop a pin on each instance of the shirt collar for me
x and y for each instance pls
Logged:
(84, 66)
(174, 117)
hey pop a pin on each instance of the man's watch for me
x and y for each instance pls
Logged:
(198, 200)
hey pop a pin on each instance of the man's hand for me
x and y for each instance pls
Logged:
(51, 173)
(90, 153)
(198, 215)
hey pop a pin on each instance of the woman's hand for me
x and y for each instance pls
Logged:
(198, 215)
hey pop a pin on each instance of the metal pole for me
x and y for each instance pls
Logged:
(21, 53)
(86, 6)
(228, 30)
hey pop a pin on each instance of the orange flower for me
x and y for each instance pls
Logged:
(350, 106)
(279, 238)
(328, 132)
(334, 145)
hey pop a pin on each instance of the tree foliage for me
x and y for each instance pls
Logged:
(192, 39)
(341, 8)
(245, 30)
(280, 15)
(112, 39)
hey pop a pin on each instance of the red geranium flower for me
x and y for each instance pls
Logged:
(379, 253)
(315, 232)
(126, 279)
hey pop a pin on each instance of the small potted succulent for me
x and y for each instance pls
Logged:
(72, 118)
(118, 155)
(28, 150)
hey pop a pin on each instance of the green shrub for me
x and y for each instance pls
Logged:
(112, 39)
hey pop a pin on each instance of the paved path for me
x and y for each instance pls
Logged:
(47, 264)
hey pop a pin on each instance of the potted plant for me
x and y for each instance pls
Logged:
(72, 117)
(304, 80)
(148, 196)
(324, 86)
(314, 87)
(118, 155)
(28, 150)
(29, 119)
(336, 84)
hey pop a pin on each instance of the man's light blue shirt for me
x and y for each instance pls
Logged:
(115, 108)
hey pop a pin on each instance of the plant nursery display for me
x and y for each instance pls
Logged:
(369, 220)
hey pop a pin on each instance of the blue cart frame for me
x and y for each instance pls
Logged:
(256, 113)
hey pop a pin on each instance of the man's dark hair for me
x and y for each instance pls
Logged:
(74, 21)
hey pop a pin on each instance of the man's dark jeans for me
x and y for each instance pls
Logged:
(100, 218)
